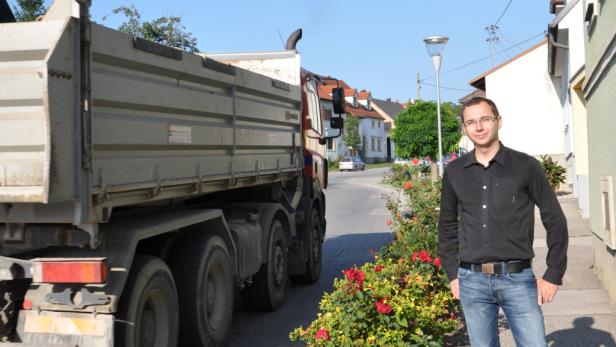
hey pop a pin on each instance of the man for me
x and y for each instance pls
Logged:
(486, 233)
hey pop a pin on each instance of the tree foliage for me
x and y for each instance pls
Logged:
(416, 131)
(168, 31)
(351, 132)
(29, 10)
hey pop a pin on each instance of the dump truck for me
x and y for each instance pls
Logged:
(142, 187)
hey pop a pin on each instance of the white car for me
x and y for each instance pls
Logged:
(400, 161)
(351, 164)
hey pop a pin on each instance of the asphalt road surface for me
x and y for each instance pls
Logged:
(356, 224)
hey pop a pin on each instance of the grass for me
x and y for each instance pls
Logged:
(379, 165)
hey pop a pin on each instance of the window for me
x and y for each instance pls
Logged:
(314, 111)
(379, 123)
(379, 144)
(372, 144)
(330, 144)
(373, 124)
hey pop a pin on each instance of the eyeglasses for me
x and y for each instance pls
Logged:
(484, 121)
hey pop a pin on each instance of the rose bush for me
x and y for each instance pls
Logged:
(402, 297)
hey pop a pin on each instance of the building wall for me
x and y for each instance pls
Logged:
(529, 105)
(367, 132)
(599, 91)
(574, 108)
(339, 149)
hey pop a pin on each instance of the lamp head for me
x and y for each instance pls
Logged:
(436, 45)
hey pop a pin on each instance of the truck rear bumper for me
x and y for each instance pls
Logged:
(48, 328)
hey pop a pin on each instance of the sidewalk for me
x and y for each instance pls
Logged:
(581, 314)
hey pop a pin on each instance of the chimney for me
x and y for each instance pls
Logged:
(556, 6)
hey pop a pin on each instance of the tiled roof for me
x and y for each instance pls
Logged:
(389, 107)
(350, 92)
(363, 95)
(362, 112)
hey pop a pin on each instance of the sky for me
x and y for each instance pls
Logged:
(372, 45)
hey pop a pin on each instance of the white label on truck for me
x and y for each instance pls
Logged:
(180, 134)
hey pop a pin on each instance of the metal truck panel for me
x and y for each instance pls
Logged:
(164, 123)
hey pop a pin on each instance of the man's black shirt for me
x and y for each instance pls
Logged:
(495, 206)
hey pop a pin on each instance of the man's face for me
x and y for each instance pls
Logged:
(480, 125)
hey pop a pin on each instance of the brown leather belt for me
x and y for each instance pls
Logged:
(497, 268)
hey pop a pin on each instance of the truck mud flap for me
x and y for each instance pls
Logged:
(49, 328)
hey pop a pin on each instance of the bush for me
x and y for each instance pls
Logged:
(402, 173)
(400, 299)
(555, 173)
(333, 164)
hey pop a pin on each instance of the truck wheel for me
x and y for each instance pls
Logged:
(148, 311)
(202, 269)
(266, 293)
(314, 243)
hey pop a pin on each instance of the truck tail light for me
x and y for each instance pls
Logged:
(63, 270)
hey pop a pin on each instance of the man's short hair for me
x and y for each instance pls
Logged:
(478, 100)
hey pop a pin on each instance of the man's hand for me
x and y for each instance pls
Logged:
(546, 291)
(455, 288)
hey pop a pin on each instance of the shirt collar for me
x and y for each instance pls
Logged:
(499, 157)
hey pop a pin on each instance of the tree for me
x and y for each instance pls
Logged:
(351, 132)
(167, 31)
(416, 131)
(29, 10)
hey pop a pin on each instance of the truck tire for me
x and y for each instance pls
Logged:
(314, 245)
(148, 308)
(266, 293)
(202, 270)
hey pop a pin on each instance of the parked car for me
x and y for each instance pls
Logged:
(351, 164)
(401, 161)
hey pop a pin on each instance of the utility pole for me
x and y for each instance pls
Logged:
(492, 39)
(418, 89)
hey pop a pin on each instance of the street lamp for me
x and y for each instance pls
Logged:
(435, 46)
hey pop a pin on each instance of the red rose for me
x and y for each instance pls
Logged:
(322, 334)
(425, 257)
(408, 185)
(383, 307)
(378, 268)
(355, 276)
(415, 161)
(437, 262)
(389, 222)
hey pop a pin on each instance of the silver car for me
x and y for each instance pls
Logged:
(351, 164)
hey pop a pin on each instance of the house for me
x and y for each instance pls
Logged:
(528, 103)
(599, 89)
(565, 62)
(389, 110)
(371, 124)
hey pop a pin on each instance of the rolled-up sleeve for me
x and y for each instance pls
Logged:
(553, 220)
(448, 228)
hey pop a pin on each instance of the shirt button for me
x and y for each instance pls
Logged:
(484, 187)
(484, 206)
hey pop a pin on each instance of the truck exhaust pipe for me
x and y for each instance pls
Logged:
(293, 39)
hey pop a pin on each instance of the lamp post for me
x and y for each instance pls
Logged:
(435, 46)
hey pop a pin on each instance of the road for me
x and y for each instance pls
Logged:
(356, 223)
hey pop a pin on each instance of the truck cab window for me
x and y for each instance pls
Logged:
(314, 109)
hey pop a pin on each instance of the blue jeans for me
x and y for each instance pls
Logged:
(482, 294)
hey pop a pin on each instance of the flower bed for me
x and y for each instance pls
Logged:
(402, 297)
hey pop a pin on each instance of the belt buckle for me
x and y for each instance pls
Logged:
(487, 268)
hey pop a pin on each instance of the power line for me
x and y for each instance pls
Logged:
(450, 88)
(504, 11)
(484, 58)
